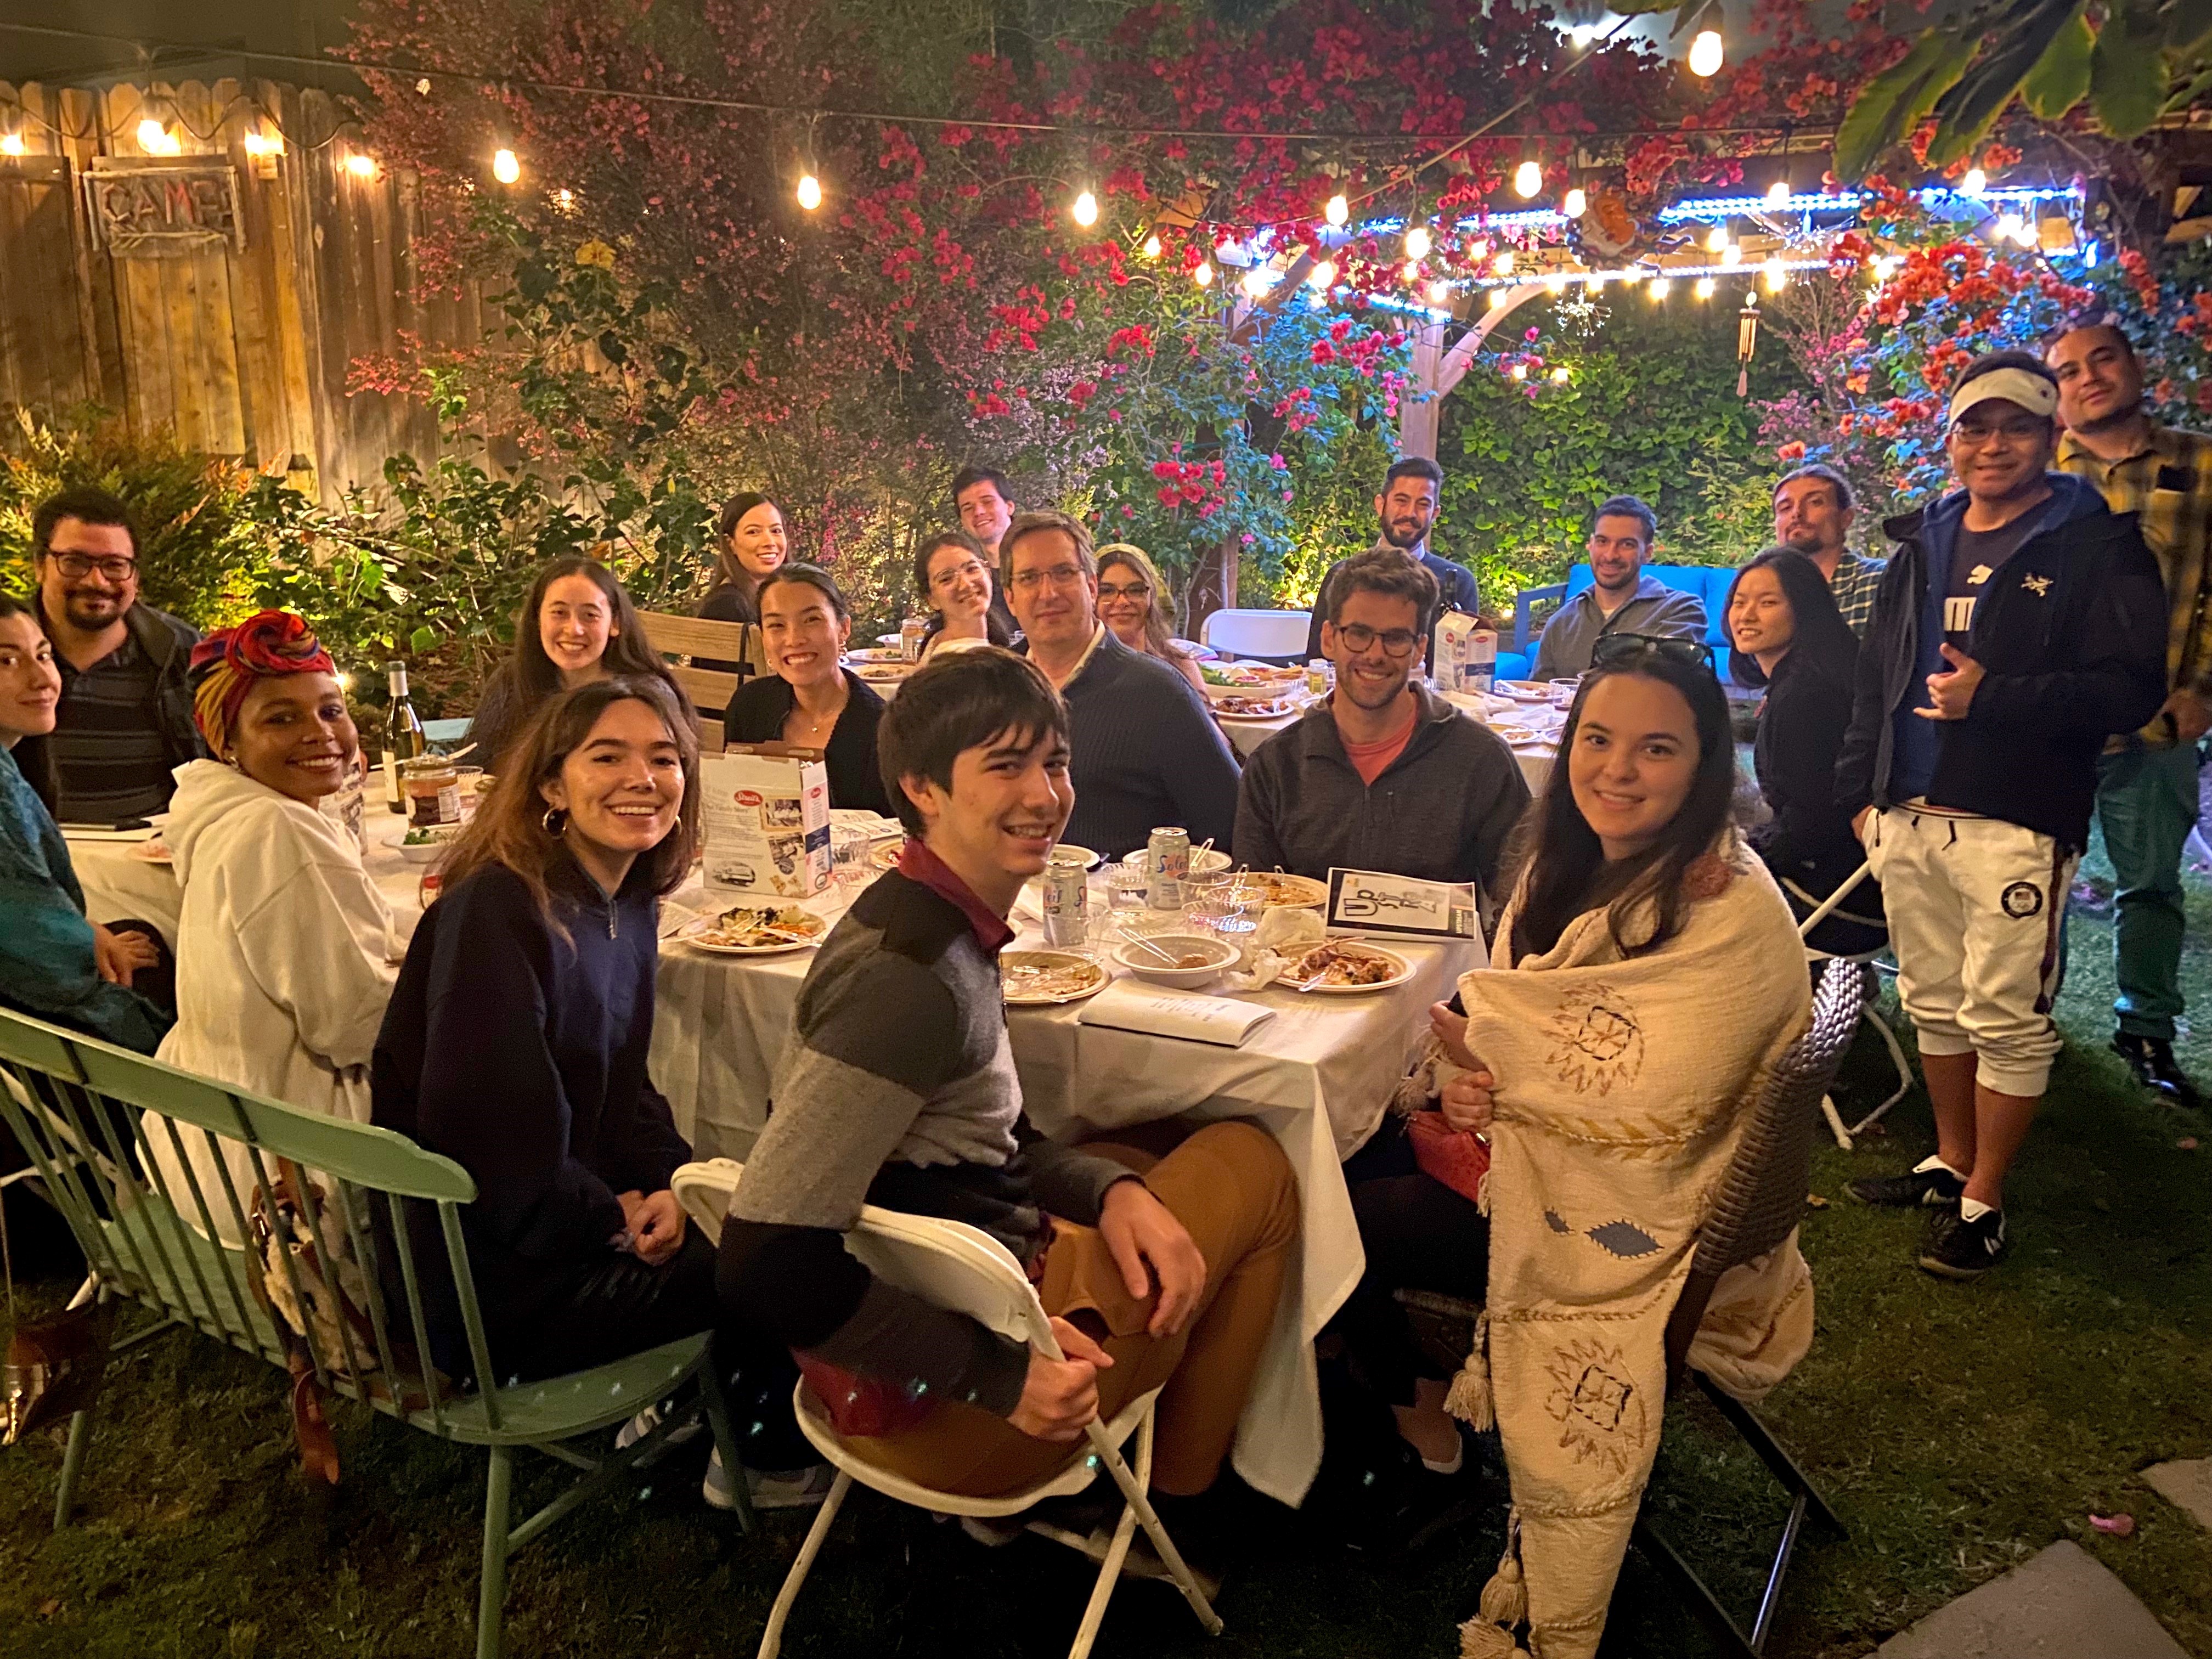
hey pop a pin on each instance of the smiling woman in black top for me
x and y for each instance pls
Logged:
(1790, 638)
(810, 699)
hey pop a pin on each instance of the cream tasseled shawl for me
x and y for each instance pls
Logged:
(1623, 1087)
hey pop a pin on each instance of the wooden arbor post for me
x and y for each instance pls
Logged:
(1438, 370)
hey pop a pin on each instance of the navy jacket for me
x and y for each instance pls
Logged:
(2071, 637)
(521, 1056)
(1145, 754)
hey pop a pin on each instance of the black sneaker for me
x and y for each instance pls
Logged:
(1956, 1248)
(2151, 1060)
(1934, 1188)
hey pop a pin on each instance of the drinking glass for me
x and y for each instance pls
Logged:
(1127, 884)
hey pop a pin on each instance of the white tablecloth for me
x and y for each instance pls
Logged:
(1315, 1077)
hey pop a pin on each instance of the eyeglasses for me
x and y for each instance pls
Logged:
(1134, 591)
(1061, 575)
(1972, 431)
(1613, 649)
(1396, 642)
(77, 566)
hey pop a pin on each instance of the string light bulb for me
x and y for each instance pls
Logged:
(1439, 292)
(1707, 50)
(361, 164)
(1528, 179)
(153, 137)
(1777, 277)
(1557, 283)
(1658, 287)
(1204, 274)
(1520, 371)
(564, 200)
(1338, 209)
(1576, 204)
(1777, 193)
(1418, 242)
(1731, 256)
(2008, 227)
(1497, 298)
(1560, 374)
(1152, 245)
(810, 191)
(1974, 183)
(12, 144)
(1085, 210)
(1256, 281)
(1705, 289)
(505, 167)
(1413, 272)
(1502, 265)
(1322, 276)
(1717, 238)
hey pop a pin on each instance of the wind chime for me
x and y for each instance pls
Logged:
(1746, 343)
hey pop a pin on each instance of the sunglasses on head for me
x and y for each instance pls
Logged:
(1616, 649)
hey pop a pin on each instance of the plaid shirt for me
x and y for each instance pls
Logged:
(2167, 484)
(1856, 582)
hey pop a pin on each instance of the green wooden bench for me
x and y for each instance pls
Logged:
(85, 1112)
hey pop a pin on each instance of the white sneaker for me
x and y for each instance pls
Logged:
(649, 1419)
(788, 1489)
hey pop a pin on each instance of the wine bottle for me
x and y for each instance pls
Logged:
(402, 737)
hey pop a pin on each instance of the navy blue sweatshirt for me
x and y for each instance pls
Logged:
(521, 1056)
(1145, 753)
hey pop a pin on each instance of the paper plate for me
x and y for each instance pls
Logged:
(1287, 891)
(1089, 983)
(1401, 970)
(690, 933)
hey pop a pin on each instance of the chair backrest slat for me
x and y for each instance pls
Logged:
(231, 1271)
(311, 1212)
(457, 1254)
(151, 1170)
(352, 1204)
(405, 1250)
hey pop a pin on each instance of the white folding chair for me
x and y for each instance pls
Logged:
(954, 1266)
(1277, 634)
(1868, 1010)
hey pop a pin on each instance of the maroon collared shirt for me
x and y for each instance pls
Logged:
(917, 863)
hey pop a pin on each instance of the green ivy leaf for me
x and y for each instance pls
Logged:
(2061, 79)
(422, 640)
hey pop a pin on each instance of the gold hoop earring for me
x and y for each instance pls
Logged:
(556, 821)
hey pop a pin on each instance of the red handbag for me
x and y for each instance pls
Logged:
(1458, 1157)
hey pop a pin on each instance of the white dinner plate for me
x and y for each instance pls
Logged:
(690, 935)
(1095, 981)
(1403, 970)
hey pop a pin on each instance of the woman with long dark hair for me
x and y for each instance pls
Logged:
(516, 1042)
(808, 698)
(576, 625)
(1791, 639)
(1632, 837)
(752, 542)
(956, 580)
(1130, 598)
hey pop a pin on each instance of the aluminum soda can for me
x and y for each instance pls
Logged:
(1167, 867)
(1067, 902)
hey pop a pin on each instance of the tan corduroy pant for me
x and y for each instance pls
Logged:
(1234, 1192)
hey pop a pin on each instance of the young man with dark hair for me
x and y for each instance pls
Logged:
(125, 721)
(1384, 774)
(898, 1088)
(984, 505)
(1621, 598)
(1405, 512)
(1146, 753)
(2019, 624)
(2147, 779)
(1812, 513)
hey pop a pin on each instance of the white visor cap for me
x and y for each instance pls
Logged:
(2015, 385)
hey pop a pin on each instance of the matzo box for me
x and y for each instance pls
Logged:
(765, 816)
(1466, 652)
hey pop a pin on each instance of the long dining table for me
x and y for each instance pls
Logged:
(1316, 1076)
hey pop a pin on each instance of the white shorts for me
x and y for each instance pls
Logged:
(1976, 906)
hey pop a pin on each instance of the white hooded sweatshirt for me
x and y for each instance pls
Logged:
(286, 955)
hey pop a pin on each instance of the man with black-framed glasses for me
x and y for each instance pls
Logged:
(1384, 774)
(1146, 753)
(125, 721)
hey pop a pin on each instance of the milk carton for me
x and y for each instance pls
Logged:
(765, 813)
(1466, 652)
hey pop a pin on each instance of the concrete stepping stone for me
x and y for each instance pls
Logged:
(2059, 1604)
(2186, 1485)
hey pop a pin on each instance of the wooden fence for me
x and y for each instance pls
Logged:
(216, 273)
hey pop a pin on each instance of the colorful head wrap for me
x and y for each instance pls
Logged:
(227, 663)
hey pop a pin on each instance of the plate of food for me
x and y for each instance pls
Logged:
(883, 673)
(1342, 968)
(1038, 979)
(1523, 691)
(1238, 707)
(877, 653)
(755, 930)
(1068, 851)
(884, 855)
(155, 851)
(1279, 888)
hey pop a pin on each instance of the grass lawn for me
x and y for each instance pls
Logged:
(1957, 1430)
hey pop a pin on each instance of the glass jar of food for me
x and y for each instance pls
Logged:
(433, 787)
